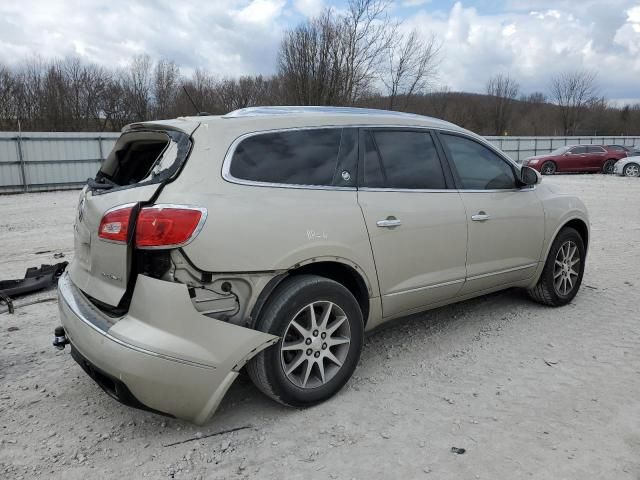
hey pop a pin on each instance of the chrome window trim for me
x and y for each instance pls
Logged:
(226, 164)
(408, 190)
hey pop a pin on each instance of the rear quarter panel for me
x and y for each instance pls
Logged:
(258, 228)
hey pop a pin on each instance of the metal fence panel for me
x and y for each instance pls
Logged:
(38, 161)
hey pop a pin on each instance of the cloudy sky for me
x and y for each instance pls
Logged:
(529, 39)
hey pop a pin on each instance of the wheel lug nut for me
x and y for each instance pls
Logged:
(324, 346)
(309, 351)
(315, 333)
(317, 354)
(308, 341)
(324, 335)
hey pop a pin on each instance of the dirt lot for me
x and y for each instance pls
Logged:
(528, 391)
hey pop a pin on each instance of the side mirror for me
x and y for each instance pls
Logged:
(529, 176)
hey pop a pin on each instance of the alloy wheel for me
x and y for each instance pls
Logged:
(548, 168)
(608, 167)
(315, 344)
(632, 170)
(566, 268)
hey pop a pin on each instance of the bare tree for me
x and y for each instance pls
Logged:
(412, 65)
(7, 98)
(334, 59)
(137, 86)
(502, 91)
(166, 84)
(312, 61)
(573, 92)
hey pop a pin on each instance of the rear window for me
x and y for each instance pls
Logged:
(297, 157)
(142, 157)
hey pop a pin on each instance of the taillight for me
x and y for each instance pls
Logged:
(158, 226)
(114, 225)
(165, 226)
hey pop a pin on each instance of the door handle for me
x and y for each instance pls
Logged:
(480, 217)
(390, 222)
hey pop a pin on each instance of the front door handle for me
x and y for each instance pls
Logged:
(480, 217)
(390, 222)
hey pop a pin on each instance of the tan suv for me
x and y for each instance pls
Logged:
(275, 237)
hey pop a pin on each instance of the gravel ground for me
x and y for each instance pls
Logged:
(527, 391)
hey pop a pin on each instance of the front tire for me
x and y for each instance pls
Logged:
(631, 170)
(562, 274)
(548, 168)
(607, 168)
(321, 330)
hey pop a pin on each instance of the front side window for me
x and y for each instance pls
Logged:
(296, 157)
(578, 150)
(477, 166)
(595, 149)
(402, 160)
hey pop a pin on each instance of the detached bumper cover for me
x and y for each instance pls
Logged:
(170, 358)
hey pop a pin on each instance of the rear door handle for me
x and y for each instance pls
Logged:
(389, 222)
(480, 217)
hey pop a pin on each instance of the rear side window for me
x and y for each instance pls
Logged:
(595, 149)
(297, 157)
(401, 159)
(477, 166)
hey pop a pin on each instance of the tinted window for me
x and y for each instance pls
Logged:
(478, 167)
(299, 157)
(401, 159)
(595, 150)
(578, 150)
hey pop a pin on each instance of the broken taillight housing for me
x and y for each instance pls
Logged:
(157, 226)
(114, 226)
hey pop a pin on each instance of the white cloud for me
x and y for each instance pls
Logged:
(529, 39)
(226, 37)
(414, 3)
(308, 8)
(260, 11)
(533, 44)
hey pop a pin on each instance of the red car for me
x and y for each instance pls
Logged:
(576, 158)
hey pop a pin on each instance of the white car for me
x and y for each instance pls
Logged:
(628, 167)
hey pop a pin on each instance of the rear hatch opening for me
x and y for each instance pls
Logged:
(141, 157)
(144, 159)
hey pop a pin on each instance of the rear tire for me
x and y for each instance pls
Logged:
(631, 170)
(607, 168)
(317, 351)
(548, 168)
(562, 274)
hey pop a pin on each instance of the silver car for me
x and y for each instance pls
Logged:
(628, 167)
(271, 239)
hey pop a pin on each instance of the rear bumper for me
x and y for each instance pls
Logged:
(163, 355)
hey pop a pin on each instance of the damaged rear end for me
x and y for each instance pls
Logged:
(134, 327)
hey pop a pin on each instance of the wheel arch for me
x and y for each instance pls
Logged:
(339, 270)
(580, 226)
